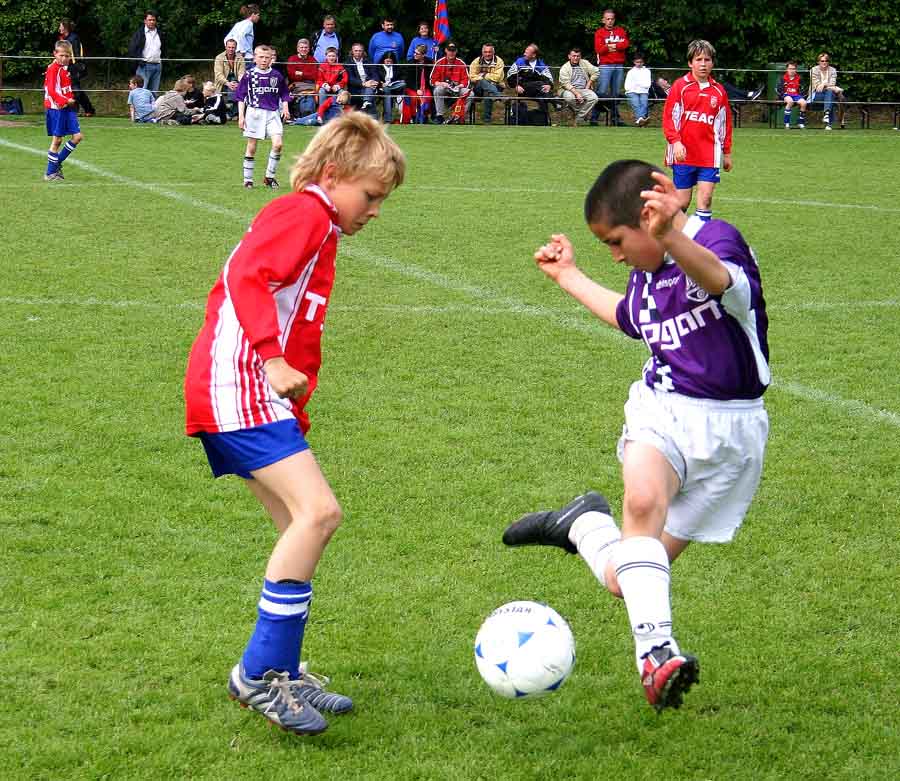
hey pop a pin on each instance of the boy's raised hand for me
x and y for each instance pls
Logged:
(285, 380)
(555, 256)
(663, 204)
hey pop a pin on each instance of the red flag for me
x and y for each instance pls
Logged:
(441, 22)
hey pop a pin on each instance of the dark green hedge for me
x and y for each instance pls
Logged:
(749, 34)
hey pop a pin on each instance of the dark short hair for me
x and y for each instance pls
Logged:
(615, 198)
(137, 79)
(791, 62)
(574, 50)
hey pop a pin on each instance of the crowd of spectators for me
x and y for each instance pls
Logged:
(427, 82)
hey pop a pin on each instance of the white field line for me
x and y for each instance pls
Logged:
(851, 406)
(516, 308)
(719, 197)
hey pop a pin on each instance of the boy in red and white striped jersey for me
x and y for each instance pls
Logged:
(62, 118)
(697, 127)
(251, 371)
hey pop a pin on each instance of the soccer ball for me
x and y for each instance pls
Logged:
(524, 649)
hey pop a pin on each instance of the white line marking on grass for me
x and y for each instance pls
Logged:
(852, 406)
(162, 191)
(735, 199)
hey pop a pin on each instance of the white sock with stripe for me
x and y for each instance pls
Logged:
(595, 535)
(642, 569)
(249, 164)
(272, 164)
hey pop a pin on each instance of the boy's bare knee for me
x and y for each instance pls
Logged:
(643, 509)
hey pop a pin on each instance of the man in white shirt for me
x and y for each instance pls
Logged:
(146, 47)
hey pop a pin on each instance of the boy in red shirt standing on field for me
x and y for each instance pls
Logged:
(697, 127)
(251, 371)
(62, 118)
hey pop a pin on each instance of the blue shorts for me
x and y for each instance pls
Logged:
(62, 122)
(240, 452)
(686, 176)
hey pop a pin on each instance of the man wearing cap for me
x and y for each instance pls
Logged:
(450, 79)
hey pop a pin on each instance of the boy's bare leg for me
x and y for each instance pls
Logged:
(684, 197)
(705, 199)
(295, 490)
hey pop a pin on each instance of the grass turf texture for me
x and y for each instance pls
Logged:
(459, 389)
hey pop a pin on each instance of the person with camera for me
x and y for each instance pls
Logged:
(450, 81)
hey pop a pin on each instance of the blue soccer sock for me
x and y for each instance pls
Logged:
(52, 163)
(275, 643)
(66, 151)
(704, 214)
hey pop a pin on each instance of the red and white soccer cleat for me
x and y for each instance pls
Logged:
(667, 676)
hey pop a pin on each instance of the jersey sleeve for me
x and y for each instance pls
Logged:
(51, 84)
(240, 94)
(283, 237)
(623, 312)
(284, 91)
(726, 142)
(671, 132)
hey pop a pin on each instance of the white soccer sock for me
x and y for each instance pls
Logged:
(595, 534)
(272, 164)
(249, 164)
(642, 569)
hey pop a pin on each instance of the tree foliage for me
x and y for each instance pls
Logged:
(748, 34)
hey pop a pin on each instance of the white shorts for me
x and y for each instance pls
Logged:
(262, 123)
(715, 447)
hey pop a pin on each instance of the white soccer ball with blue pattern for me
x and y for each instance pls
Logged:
(524, 649)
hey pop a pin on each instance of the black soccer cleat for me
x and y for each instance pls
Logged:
(551, 527)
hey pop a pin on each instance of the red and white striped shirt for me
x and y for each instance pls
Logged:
(698, 116)
(57, 86)
(269, 301)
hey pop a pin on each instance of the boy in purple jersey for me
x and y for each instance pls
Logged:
(260, 93)
(695, 426)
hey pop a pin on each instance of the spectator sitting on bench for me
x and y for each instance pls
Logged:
(577, 78)
(486, 77)
(789, 91)
(823, 87)
(363, 79)
(530, 77)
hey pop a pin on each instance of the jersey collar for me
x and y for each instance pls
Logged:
(318, 192)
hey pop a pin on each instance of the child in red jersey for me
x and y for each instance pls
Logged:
(789, 89)
(251, 371)
(62, 117)
(697, 127)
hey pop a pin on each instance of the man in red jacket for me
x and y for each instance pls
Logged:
(450, 80)
(610, 44)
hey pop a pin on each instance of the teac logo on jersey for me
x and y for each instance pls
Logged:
(700, 116)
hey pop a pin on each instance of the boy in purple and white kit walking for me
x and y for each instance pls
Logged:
(695, 429)
(260, 94)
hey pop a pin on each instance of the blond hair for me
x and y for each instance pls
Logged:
(358, 145)
(700, 47)
(63, 46)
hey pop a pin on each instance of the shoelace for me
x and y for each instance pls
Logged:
(313, 679)
(283, 687)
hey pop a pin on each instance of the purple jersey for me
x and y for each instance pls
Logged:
(711, 347)
(263, 89)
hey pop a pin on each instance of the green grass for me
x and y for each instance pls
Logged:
(459, 388)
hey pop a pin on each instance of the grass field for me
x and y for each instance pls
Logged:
(459, 389)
